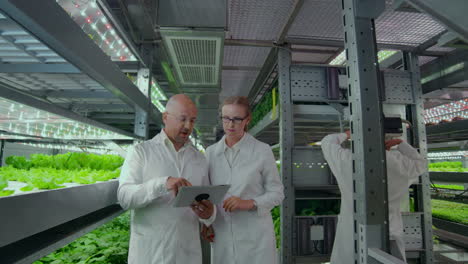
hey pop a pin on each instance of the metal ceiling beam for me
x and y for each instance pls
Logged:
(291, 17)
(249, 43)
(429, 43)
(38, 68)
(113, 116)
(93, 107)
(128, 66)
(396, 59)
(76, 94)
(452, 16)
(441, 63)
(446, 80)
(69, 41)
(10, 94)
(314, 51)
(241, 68)
(420, 50)
(262, 76)
(340, 44)
(272, 56)
(141, 14)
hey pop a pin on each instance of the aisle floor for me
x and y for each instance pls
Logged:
(447, 253)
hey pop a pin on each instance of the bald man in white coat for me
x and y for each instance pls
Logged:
(404, 165)
(151, 176)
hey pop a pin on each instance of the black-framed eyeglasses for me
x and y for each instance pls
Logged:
(235, 120)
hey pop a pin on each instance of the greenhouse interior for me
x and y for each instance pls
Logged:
(84, 81)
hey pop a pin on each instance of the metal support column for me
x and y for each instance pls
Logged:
(368, 152)
(423, 198)
(286, 146)
(141, 116)
(144, 79)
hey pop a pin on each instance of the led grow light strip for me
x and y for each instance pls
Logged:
(22, 119)
(447, 111)
(94, 23)
(452, 154)
(71, 148)
(157, 95)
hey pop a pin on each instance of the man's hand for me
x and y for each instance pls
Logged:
(203, 209)
(235, 203)
(207, 233)
(392, 142)
(174, 184)
(348, 134)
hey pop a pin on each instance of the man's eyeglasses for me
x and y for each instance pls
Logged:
(183, 119)
(235, 120)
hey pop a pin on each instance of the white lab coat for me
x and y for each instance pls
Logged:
(160, 233)
(245, 236)
(404, 165)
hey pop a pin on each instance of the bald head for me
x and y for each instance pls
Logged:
(179, 119)
(179, 102)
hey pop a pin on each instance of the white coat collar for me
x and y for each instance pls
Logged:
(236, 146)
(162, 138)
(246, 141)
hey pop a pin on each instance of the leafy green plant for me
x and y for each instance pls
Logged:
(276, 215)
(3, 185)
(107, 244)
(317, 207)
(48, 178)
(18, 162)
(68, 161)
(449, 186)
(262, 108)
(451, 211)
(448, 166)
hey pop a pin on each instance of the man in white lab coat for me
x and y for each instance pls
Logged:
(152, 173)
(404, 165)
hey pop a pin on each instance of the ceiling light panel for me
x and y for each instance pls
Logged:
(195, 55)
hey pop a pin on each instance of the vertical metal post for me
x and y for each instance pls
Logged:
(141, 116)
(423, 197)
(141, 122)
(2, 148)
(286, 147)
(368, 151)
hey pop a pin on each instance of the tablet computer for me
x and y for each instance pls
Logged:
(189, 194)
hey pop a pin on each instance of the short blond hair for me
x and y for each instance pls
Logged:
(239, 100)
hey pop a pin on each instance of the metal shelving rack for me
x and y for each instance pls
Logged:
(303, 110)
(71, 69)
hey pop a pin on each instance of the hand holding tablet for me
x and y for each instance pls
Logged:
(187, 195)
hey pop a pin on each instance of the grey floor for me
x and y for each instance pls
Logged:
(448, 253)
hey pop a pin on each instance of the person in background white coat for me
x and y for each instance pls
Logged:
(151, 175)
(243, 227)
(404, 165)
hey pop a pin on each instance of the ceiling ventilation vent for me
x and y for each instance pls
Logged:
(196, 56)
